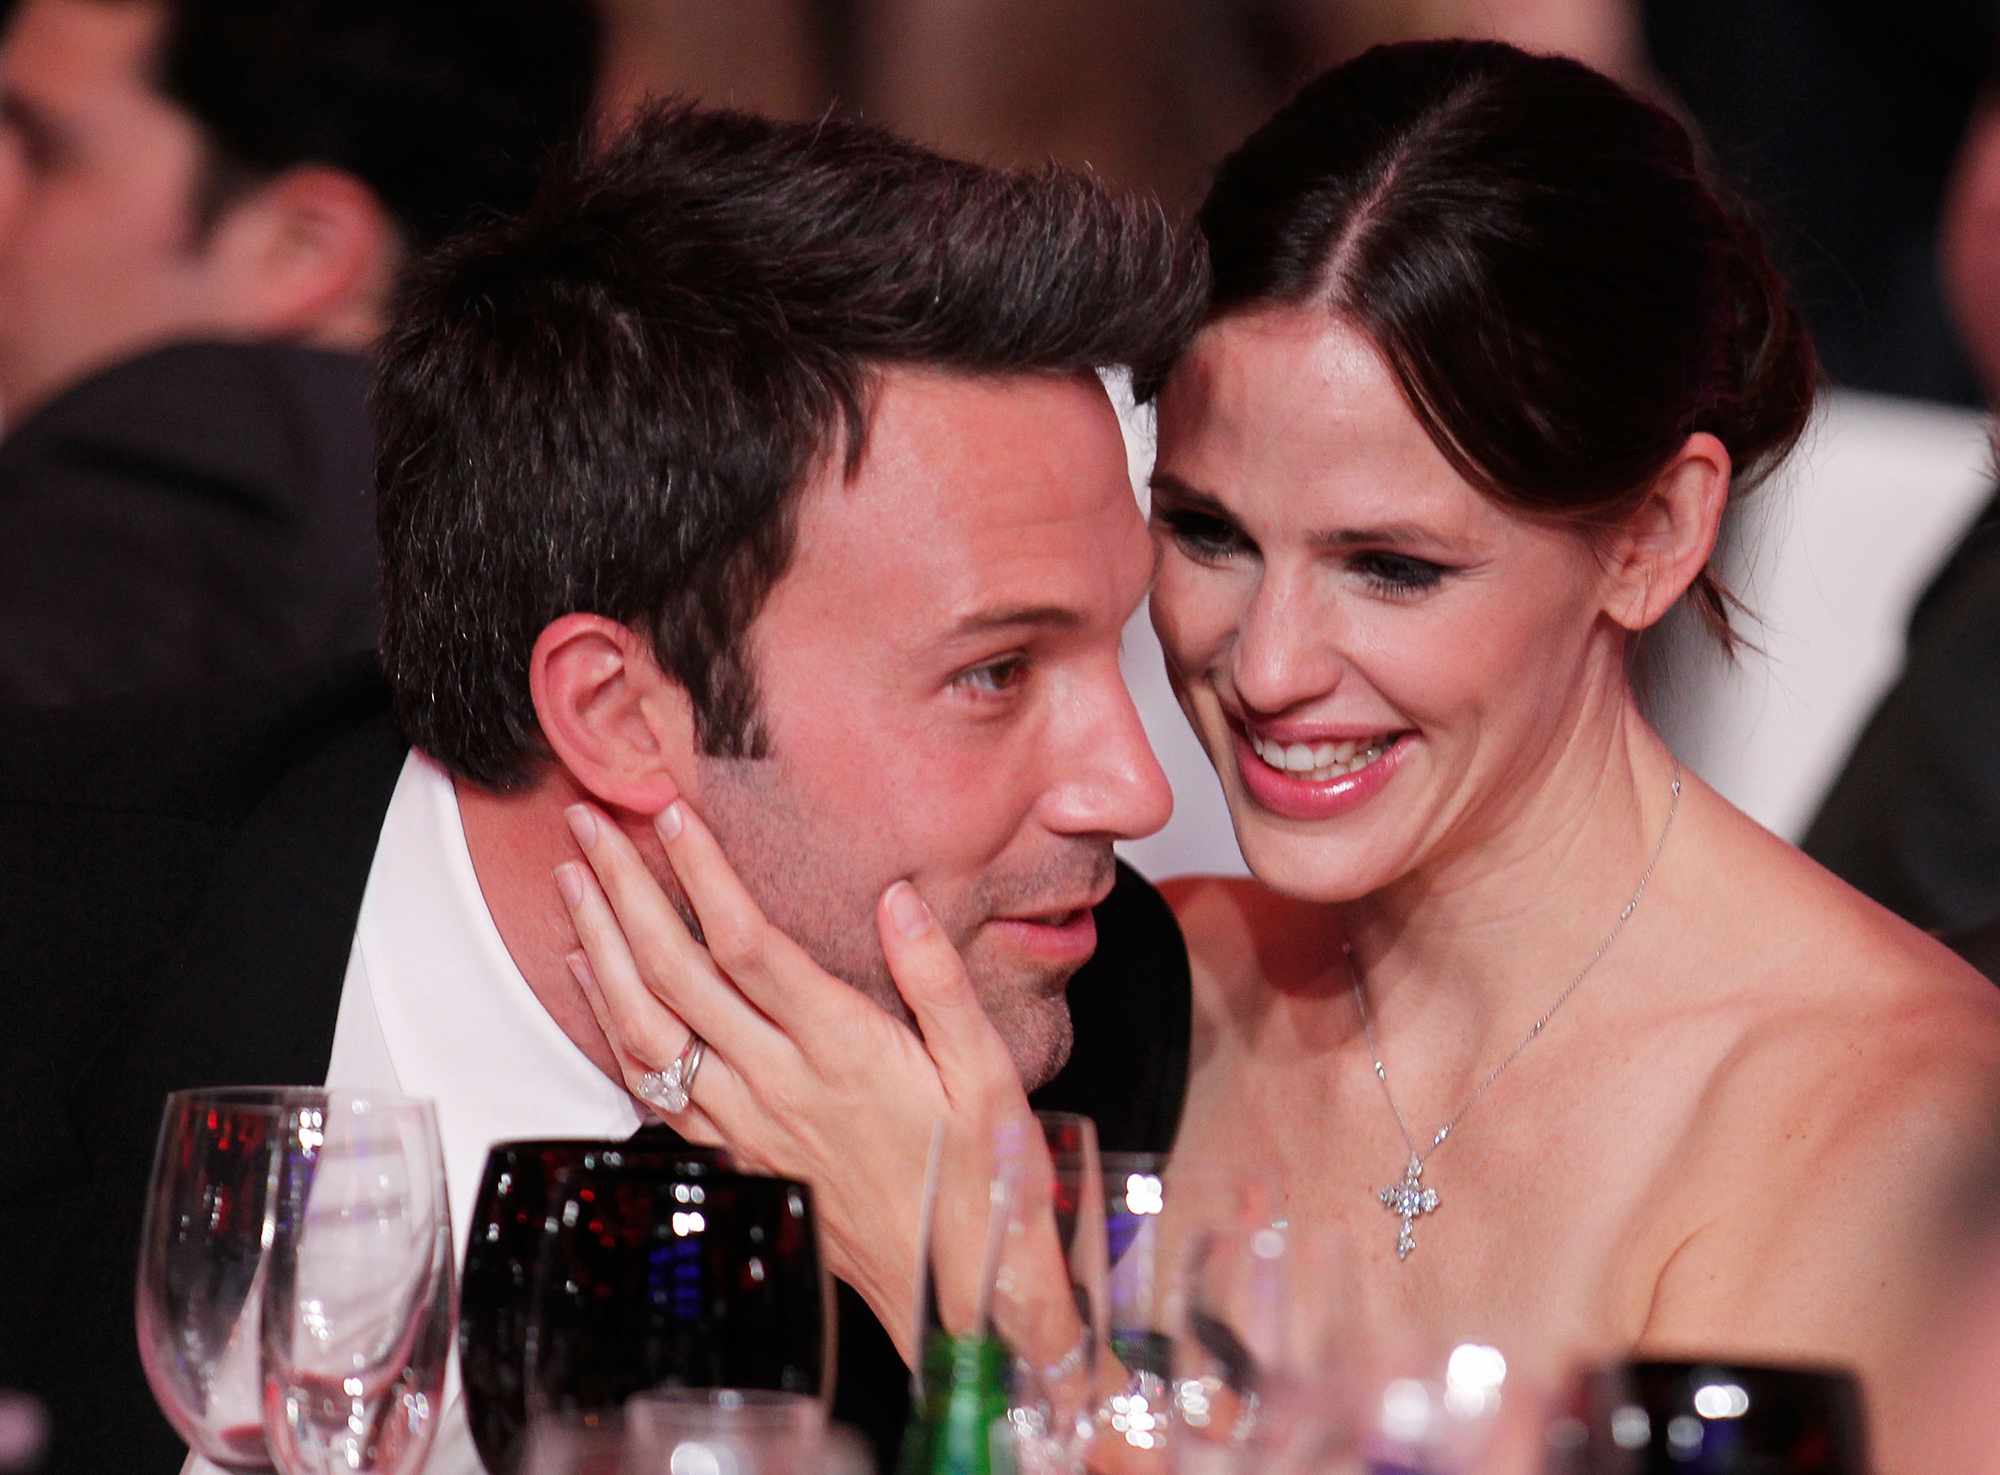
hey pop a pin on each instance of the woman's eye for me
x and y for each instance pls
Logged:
(994, 678)
(1397, 574)
(1201, 537)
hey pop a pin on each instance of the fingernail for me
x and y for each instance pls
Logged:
(570, 884)
(669, 821)
(582, 825)
(579, 967)
(907, 910)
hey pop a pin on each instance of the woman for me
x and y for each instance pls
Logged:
(1571, 1054)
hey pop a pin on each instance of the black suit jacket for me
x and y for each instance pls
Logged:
(196, 513)
(1913, 819)
(183, 881)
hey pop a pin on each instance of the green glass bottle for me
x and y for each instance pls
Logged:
(965, 1392)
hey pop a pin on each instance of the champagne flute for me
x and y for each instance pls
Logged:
(358, 1303)
(520, 1193)
(202, 1265)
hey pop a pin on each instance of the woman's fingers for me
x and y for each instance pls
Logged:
(971, 1059)
(774, 973)
(644, 954)
(694, 1123)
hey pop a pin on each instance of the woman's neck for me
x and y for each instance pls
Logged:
(1464, 951)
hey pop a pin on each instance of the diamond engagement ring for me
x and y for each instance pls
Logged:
(667, 1090)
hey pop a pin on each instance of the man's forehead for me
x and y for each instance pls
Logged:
(984, 499)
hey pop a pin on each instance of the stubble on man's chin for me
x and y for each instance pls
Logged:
(1035, 1025)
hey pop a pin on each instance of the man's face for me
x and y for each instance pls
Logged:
(938, 673)
(100, 257)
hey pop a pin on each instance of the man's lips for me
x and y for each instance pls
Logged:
(1064, 930)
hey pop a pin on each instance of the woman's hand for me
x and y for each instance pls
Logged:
(804, 1076)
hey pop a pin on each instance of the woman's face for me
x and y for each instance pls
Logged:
(1384, 664)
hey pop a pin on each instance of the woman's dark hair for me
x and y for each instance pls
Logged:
(1560, 287)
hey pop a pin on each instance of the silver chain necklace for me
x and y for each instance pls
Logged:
(1410, 1199)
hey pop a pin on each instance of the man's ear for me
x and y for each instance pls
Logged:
(622, 727)
(310, 256)
(1659, 549)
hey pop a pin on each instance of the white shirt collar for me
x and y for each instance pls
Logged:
(459, 1021)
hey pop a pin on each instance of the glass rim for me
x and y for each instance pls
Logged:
(274, 1096)
(710, 1174)
(694, 1151)
(279, 1097)
(1128, 1162)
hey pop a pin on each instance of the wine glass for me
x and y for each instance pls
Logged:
(201, 1265)
(1012, 1301)
(358, 1303)
(520, 1194)
(682, 1430)
(665, 1275)
(1712, 1418)
(1152, 1210)
(1432, 1406)
(1258, 1380)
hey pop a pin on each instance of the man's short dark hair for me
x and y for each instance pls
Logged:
(441, 107)
(612, 403)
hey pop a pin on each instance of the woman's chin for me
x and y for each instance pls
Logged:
(1315, 867)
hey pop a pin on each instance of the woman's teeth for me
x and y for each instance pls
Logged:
(1318, 762)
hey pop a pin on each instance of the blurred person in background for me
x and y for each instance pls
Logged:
(203, 207)
(1914, 817)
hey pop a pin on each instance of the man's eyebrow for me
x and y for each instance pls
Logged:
(1010, 616)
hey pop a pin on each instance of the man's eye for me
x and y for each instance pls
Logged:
(993, 678)
(1398, 575)
(1201, 537)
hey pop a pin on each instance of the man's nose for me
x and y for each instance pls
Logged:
(1113, 786)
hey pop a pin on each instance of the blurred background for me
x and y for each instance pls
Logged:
(1842, 119)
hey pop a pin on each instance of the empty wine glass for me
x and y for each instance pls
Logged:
(676, 1275)
(716, 1431)
(520, 1194)
(1153, 1209)
(358, 1303)
(201, 1265)
(1258, 1379)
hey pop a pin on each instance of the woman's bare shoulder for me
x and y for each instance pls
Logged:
(1848, 1013)
(1850, 1071)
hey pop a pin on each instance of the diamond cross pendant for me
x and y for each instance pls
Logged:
(1409, 1201)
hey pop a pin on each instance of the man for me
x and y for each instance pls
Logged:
(759, 463)
(203, 205)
